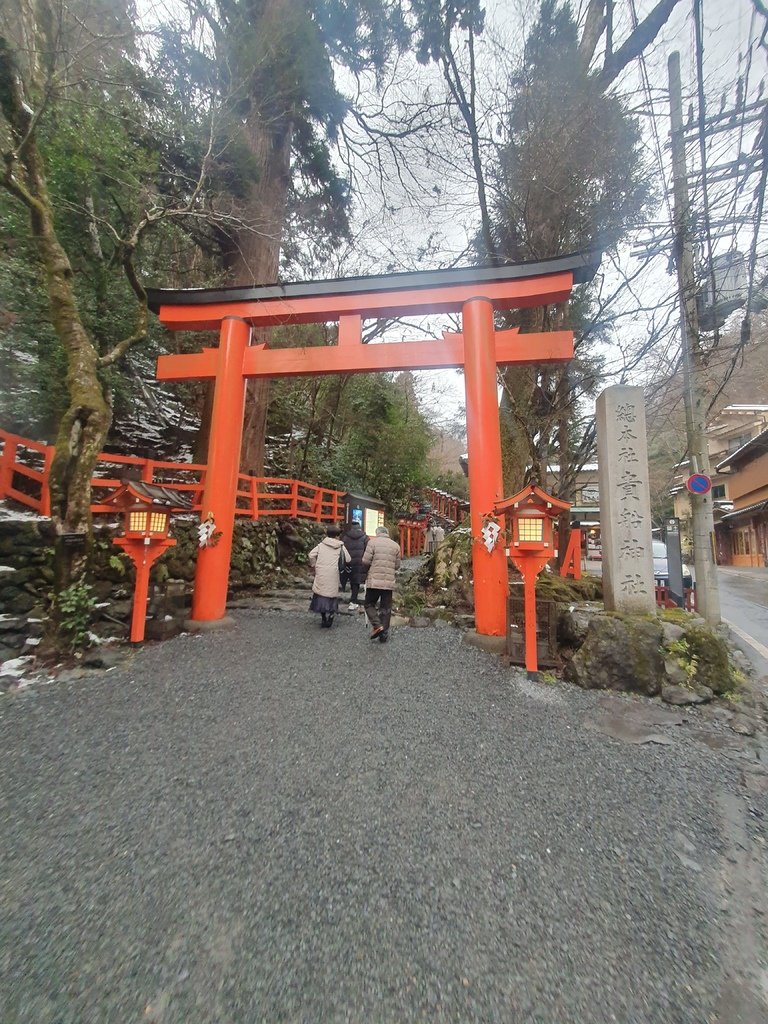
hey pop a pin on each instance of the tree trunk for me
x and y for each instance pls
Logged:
(84, 425)
(522, 416)
(200, 450)
(253, 257)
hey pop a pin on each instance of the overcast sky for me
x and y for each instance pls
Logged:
(395, 238)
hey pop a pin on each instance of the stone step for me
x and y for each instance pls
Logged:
(281, 604)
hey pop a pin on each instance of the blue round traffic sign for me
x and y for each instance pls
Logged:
(698, 483)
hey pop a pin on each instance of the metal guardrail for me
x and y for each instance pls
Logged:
(25, 467)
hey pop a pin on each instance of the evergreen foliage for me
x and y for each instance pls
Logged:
(361, 432)
(571, 173)
(570, 176)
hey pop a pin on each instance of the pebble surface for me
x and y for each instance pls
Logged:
(286, 824)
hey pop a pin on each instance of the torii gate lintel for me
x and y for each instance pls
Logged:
(478, 349)
(349, 356)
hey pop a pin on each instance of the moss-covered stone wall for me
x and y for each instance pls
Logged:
(267, 553)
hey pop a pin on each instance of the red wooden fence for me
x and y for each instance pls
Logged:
(25, 465)
(663, 599)
(455, 509)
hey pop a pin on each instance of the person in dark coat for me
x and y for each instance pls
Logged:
(355, 541)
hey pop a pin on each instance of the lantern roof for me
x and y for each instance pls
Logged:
(533, 496)
(137, 492)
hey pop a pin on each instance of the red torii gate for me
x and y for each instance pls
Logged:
(479, 349)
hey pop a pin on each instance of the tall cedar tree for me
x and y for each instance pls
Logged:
(451, 41)
(570, 176)
(271, 67)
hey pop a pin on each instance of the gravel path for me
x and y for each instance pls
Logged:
(280, 823)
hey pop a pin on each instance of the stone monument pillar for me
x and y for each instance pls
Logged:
(625, 505)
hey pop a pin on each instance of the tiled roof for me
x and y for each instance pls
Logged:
(758, 445)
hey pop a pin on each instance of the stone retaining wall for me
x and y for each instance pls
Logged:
(265, 553)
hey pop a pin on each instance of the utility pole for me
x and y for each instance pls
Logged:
(694, 359)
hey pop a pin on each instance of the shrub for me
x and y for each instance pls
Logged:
(76, 605)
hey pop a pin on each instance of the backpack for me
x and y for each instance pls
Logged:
(343, 564)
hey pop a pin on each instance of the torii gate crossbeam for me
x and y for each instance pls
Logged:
(478, 350)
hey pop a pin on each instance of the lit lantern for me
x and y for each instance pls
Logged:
(531, 514)
(147, 522)
(146, 512)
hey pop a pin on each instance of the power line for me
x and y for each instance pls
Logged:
(648, 95)
(745, 90)
(698, 22)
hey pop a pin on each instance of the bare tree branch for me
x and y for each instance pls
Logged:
(594, 26)
(636, 42)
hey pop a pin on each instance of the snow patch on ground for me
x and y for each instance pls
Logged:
(99, 641)
(10, 514)
(16, 667)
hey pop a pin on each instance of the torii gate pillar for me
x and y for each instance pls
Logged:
(209, 601)
(489, 570)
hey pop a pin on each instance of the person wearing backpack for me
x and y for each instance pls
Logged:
(327, 559)
(355, 541)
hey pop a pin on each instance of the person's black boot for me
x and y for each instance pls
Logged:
(329, 623)
(383, 636)
(323, 620)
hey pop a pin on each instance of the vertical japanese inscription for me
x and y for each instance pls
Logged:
(625, 506)
(630, 518)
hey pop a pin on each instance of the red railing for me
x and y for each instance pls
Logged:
(663, 599)
(446, 505)
(25, 465)
(24, 468)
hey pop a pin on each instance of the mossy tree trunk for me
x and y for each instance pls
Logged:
(254, 258)
(84, 425)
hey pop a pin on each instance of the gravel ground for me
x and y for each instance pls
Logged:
(282, 823)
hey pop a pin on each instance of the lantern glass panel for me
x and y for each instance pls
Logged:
(157, 522)
(531, 528)
(137, 522)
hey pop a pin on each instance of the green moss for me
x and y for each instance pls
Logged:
(677, 615)
(711, 657)
(565, 590)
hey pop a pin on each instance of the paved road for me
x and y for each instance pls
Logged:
(283, 824)
(744, 606)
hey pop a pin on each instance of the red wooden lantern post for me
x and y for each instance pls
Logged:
(146, 512)
(531, 514)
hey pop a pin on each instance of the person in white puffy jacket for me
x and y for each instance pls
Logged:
(382, 559)
(325, 560)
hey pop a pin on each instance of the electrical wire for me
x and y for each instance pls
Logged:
(649, 99)
(698, 24)
(731, 209)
